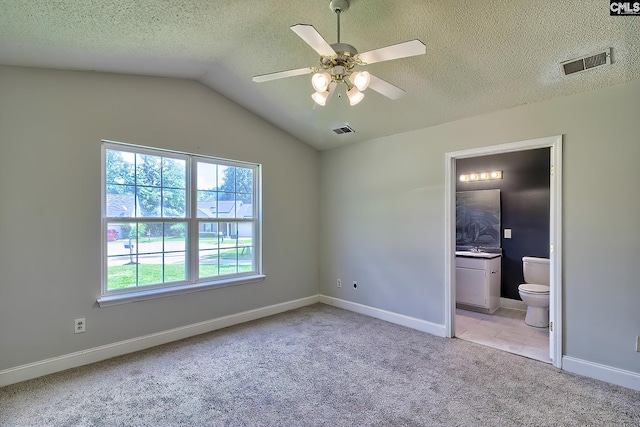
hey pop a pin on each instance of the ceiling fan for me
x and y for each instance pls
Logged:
(339, 63)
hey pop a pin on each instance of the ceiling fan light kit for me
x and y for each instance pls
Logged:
(337, 63)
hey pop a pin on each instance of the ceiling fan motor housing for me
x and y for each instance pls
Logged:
(340, 65)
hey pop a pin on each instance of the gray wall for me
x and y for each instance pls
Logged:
(382, 216)
(380, 210)
(51, 124)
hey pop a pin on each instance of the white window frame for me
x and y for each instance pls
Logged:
(192, 283)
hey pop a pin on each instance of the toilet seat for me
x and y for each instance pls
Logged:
(532, 288)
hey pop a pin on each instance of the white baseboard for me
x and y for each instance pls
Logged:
(44, 367)
(513, 303)
(600, 372)
(389, 316)
(91, 355)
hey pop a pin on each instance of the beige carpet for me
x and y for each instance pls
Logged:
(318, 365)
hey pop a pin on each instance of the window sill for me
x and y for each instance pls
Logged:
(110, 300)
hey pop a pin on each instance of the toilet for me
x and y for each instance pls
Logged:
(535, 291)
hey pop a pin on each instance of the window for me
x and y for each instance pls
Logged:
(176, 221)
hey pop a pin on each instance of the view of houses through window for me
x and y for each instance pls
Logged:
(174, 218)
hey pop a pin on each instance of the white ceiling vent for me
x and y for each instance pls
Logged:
(343, 129)
(586, 62)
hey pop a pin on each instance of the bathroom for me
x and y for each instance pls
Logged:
(524, 212)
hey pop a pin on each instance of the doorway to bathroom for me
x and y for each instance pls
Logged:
(544, 239)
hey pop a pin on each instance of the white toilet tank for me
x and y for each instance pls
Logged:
(535, 270)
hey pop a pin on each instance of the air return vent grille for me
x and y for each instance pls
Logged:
(343, 129)
(586, 62)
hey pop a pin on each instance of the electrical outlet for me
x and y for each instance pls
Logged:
(355, 285)
(339, 283)
(507, 233)
(80, 325)
(638, 343)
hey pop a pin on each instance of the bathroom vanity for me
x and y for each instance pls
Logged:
(478, 281)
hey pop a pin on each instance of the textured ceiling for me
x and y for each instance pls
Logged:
(482, 55)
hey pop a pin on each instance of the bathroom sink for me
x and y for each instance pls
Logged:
(477, 254)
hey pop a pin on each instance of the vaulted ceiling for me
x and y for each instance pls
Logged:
(482, 55)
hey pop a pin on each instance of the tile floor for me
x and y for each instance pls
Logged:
(505, 330)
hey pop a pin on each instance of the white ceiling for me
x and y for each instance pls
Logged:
(482, 55)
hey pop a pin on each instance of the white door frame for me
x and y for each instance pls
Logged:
(555, 233)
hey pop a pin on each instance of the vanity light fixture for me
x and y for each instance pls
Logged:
(481, 176)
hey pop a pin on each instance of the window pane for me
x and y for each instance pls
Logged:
(244, 185)
(174, 203)
(121, 256)
(246, 250)
(120, 167)
(175, 255)
(245, 210)
(237, 249)
(210, 235)
(228, 261)
(207, 204)
(227, 179)
(208, 263)
(148, 170)
(174, 173)
(175, 236)
(121, 201)
(175, 267)
(226, 206)
(148, 202)
(149, 248)
(120, 276)
(207, 176)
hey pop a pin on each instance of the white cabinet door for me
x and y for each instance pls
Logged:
(470, 287)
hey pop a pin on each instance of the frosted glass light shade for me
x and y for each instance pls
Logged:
(320, 81)
(354, 95)
(361, 79)
(320, 98)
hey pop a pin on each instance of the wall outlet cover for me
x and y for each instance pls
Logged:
(80, 325)
(507, 233)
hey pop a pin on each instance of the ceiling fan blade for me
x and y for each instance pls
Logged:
(386, 88)
(313, 38)
(396, 51)
(281, 75)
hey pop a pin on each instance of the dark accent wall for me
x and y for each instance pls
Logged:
(525, 206)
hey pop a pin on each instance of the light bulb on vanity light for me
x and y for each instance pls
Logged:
(481, 176)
